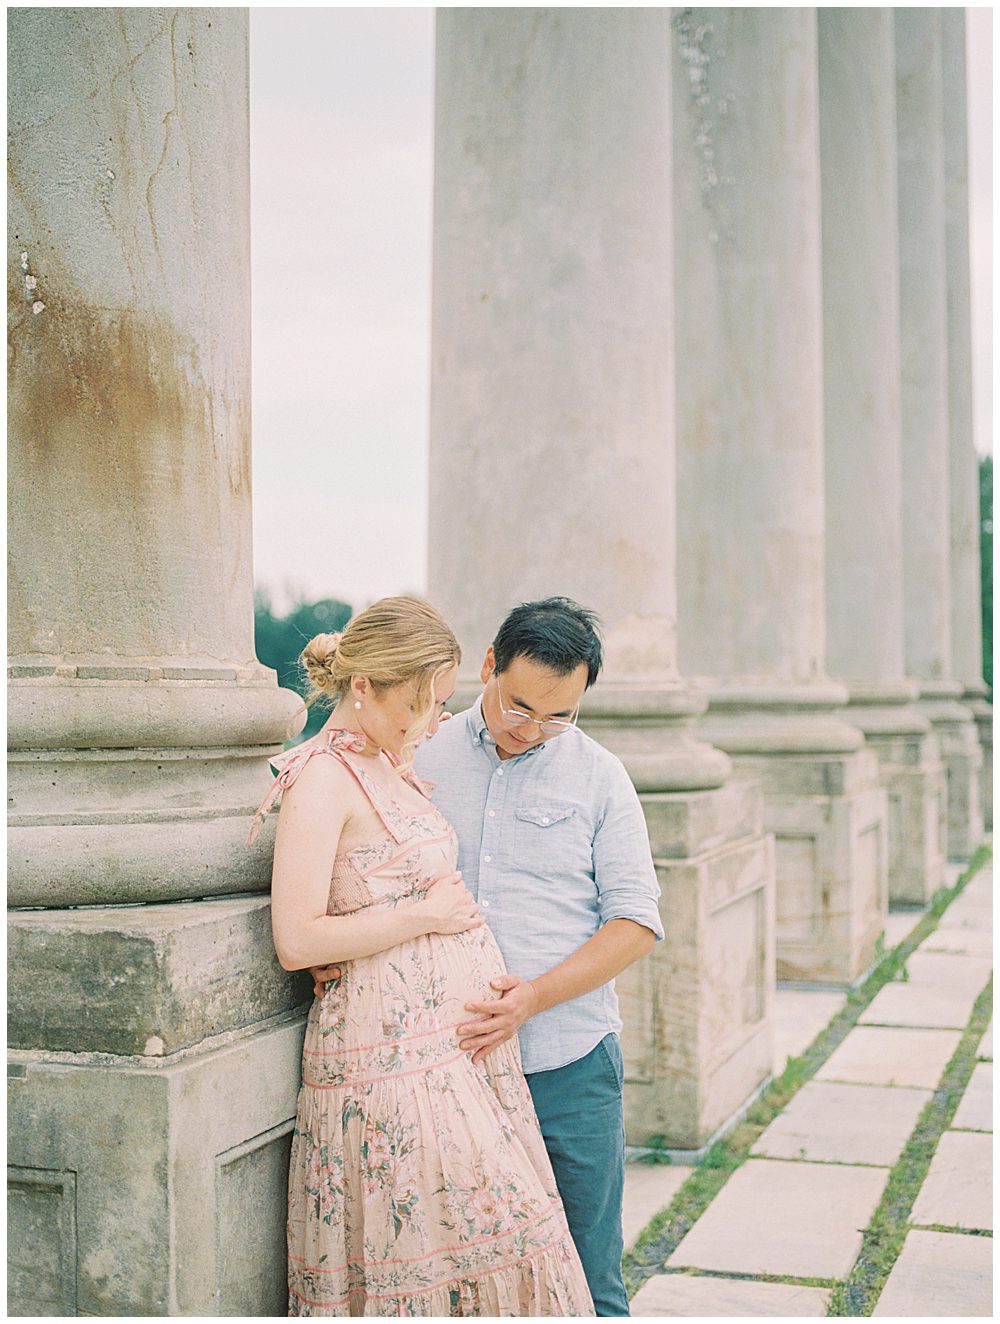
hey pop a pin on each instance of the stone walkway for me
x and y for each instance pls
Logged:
(797, 1208)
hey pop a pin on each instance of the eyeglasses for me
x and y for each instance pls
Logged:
(552, 726)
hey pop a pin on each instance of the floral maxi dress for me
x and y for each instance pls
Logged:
(419, 1183)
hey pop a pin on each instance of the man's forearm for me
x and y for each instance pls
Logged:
(612, 949)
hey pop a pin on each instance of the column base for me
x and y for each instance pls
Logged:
(697, 1011)
(982, 712)
(139, 783)
(962, 756)
(911, 771)
(152, 1189)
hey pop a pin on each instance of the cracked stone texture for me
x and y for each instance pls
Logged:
(774, 1217)
(874, 1056)
(957, 1191)
(940, 1274)
(919, 1005)
(648, 1189)
(844, 1124)
(975, 1112)
(679, 1294)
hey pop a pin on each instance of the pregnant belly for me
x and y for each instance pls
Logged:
(397, 1012)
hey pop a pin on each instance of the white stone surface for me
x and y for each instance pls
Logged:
(799, 1016)
(975, 1112)
(963, 484)
(923, 330)
(986, 1043)
(940, 1275)
(685, 1295)
(870, 1055)
(648, 1189)
(958, 1188)
(773, 1217)
(965, 974)
(964, 941)
(832, 1123)
(917, 1004)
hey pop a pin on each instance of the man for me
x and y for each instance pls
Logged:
(553, 846)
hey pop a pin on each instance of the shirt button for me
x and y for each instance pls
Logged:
(545, 820)
(499, 772)
(487, 858)
(493, 813)
(485, 905)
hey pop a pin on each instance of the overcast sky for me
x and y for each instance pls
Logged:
(342, 158)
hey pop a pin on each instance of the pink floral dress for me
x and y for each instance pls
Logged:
(419, 1183)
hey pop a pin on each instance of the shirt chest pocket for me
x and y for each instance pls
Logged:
(553, 836)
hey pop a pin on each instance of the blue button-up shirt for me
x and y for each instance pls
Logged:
(552, 844)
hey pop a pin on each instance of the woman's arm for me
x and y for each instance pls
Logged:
(314, 812)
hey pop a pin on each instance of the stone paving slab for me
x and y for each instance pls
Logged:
(975, 1112)
(680, 1294)
(873, 1056)
(960, 940)
(938, 1275)
(774, 1217)
(919, 1004)
(985, 1048)
(648, 1189)
(798, 1017)
(966, 974)
(844, 1124)
(957, 1191)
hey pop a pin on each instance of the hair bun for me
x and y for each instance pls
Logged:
(319, 658)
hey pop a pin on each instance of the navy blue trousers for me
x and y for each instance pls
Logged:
(579, 1107)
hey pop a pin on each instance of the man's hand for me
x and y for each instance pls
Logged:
(500, 1020)
(322, 974)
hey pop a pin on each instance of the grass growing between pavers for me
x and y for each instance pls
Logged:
(883, 1239)
(664, 1233)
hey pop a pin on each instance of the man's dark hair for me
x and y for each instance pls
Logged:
(557, 633)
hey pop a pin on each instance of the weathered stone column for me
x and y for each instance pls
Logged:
(153, 1064)
(751, 472)
(862, 427)
(552, 472)
(923, 301)
(966, 579)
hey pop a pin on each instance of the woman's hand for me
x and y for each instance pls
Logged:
(449, 907)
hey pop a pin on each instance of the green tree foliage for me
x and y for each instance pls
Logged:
(986, 561)
(281, 639)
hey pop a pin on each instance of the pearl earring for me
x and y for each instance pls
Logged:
(357, 703)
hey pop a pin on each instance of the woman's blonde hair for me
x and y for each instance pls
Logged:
(395, 641)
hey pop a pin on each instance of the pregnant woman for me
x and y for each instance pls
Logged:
(419, 1183)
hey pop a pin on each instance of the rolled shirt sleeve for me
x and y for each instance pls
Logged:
(626, 880)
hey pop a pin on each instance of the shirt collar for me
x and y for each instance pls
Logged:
(481, 732)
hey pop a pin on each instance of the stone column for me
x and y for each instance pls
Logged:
(153, 1038)
(552, 472)
(751, 472)
(862, 427)
(923, 301)
(966, 579)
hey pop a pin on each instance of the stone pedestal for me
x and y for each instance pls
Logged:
(862, 432)
(751, 519)
(697, 1039)
(912, 773)
(962, 756)
(153, 1047)
(552, 419)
